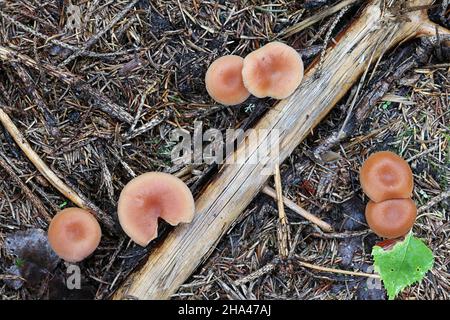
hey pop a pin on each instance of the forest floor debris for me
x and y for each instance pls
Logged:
(142, 63)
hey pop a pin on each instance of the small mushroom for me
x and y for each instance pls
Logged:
(274, 70)
(385, 175)
(150, 196)
(74, 234)
(391, 218)
(224, 81)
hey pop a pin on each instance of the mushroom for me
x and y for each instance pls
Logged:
(224, 81)
(74, 234)
(150, 196)
(391, 218)
(274, 70)
(385, 175)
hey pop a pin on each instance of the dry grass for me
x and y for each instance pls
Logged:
(151, 63)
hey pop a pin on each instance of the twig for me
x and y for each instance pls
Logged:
(147, 126)
(299, 210)
(107, 180)
(256, 274)
(332, 270)
(434, 201)
(399, 65)
(61, 43)
(93, 6)
(328, 35)
(417, 156)
(11, 277)
(81, 88)
(55, 181)
(140, 107)
(50, 120)
(125, 165)
(342, 235)
(185, 170)
(283, 225)
(316, 18)
(37, 203)
(93, 40)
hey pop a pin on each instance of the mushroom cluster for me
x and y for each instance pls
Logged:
(387, 180)
(274, 70)
(75, 234)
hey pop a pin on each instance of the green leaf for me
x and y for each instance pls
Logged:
(19, 262)
(406, 263)
(385, 105)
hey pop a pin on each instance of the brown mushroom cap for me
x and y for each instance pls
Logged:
(385, 175)
(391, 218)
(223, 80)
(274, 70)
(149, 196)
(74, 234)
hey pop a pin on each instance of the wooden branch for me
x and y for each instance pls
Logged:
(221, 203)
(283, 224)
(333, 270)
(299, 210)
(54, 180)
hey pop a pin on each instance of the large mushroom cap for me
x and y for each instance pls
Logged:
(385, 175)
(74, 234)
(149, 196)
(391, 218)
(274, 70)
(223, 80)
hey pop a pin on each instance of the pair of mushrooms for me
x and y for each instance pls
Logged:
(74, 233)
(387, 180)
(274, 70)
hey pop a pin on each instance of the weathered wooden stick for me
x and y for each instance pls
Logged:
(283, 225)
(221, 203)
(297, 209)
(333, 270)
